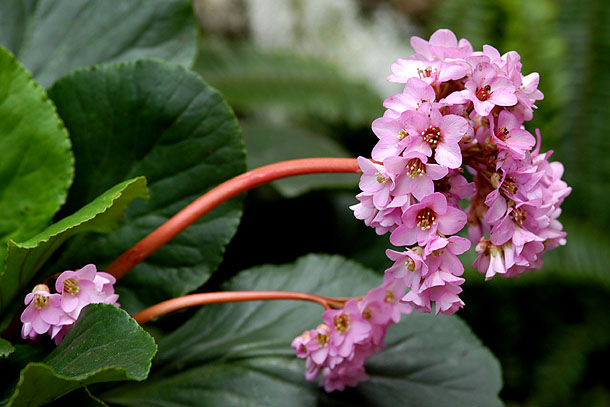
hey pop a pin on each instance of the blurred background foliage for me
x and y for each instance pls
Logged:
(307, 77)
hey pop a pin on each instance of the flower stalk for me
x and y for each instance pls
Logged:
(193, 300)
(220, 194)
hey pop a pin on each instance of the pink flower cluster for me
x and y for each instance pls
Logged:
(339, 347)
(56, 313)
(460, 115)
(455, 133)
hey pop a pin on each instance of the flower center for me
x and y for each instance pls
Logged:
(509, 186)
(380, 178)
(367, 313)
(410, 264)
(426, 218)
(389, 296)
(341, 322)
(40, 301)
(484, 93)
(415, 168)
(518, 216)
(71, 286)
(432, 135)
(425, 73)
(402, 134)
(502, 133)
(323, 339)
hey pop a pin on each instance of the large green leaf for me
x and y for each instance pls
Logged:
(158, 120)
(36, 168)
(25, 259)
(239, 354)
(54, 37)
(251, 79)
(268, 143)
(104, 345)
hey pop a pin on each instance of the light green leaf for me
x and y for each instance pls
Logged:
(25, 259)
(104, 345)
(55, 37)
(267, 143)
(239, 354)
(251, 79)
(153, 119)
(36, 168)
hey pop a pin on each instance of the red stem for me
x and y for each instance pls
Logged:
(220, 194)
(192, 300)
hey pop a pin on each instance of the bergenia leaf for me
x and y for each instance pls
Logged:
(153, 119)
(53, 38)
(36, 168)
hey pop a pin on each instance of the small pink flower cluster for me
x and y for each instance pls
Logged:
(56, 313)
(459, 108)
(339, 347)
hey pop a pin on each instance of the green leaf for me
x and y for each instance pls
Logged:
(251, 79)
(267, 143)
(239, 354)
(25, 259)
(36, 168)
(153, 119)
(104, 345)
(5, 348)
(52, 38)
(81, 398)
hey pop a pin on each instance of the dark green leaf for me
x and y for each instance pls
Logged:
(104, 345)
(251, 79)
(5, 348)
(52, 38)
(267, 143)
(36, 168)
(158, 120)
(25, 259)
(239, 354)
(81, 398)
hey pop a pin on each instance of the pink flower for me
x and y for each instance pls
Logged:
(83, 287)
(417, 176)
(43, 312)
(511, 138)
(429, 130)
(375, 180)
(415, 93)
(422, 221)
(485, 90)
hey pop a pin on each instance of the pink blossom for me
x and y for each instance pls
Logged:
(429, 130)
(485, 90)
(83, 287)
(417, 176)
(376, 180)
(415, 93)
(422, 221)
(43, 312)
(511, 138)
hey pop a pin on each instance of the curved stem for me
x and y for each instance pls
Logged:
(193, 300)
(220, 194)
